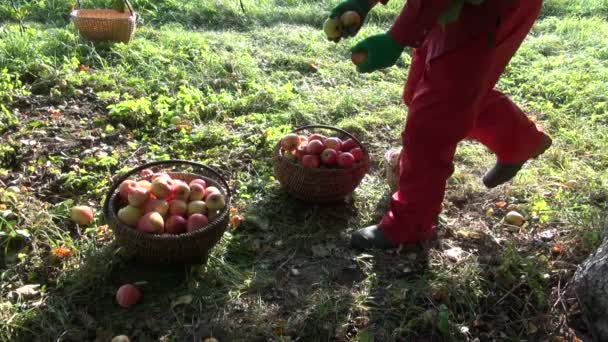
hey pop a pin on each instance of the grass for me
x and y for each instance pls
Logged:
(74, 114)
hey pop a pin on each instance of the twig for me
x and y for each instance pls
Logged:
(242, 6)
(288, 259)
(510, 292)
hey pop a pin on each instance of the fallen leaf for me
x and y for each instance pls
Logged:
(454, 254)
(28, 291)
(532, 329)
(501, 204)
(235, 221)
(62, 252)
(183, 300)
(557, 249)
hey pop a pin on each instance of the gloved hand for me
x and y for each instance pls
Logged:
(362, 7)
(382, 52)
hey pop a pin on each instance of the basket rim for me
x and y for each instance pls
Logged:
(112, 218)
(363, 163)
(75, 15)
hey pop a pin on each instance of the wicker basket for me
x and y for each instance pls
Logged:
(188, 248)
(320, 185)
(105, 24)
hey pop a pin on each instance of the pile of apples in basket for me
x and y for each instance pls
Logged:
(318, 151)
(162, 205)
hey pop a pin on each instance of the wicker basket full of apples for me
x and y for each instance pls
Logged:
(169, 211)
(320, 163)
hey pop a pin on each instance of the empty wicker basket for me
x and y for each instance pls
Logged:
(319, 185)
(105, 24)
(188, 248)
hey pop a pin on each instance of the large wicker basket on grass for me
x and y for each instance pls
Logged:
(321, 185)
(188, 248)
(105, 24)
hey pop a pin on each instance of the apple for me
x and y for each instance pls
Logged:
(358, 57)
(290, 142)
(329, 156)
(161, 188)
(82, 214)
(181, 190)
(128, 295)
(196, 221)
(300, 152)
(197, 192)
(129, 215)
(350, 19)
(151, 222)
(334, 144)
(349, 144)
(303, 139)
(178, 207)
(160, 175)
(157, 205)
(311, 161)
(145, 173)
(197, 207)
(176, 225)
(138, 197)
(315, 147)
(332, 28)
(210, 190)
(215, 201)
(125, 188)
(144, 184)
(317, 136)
(200, 181)
(357, 153)
(346, 160)
(514, 218)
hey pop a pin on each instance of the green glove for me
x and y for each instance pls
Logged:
(362, 7)
(382, 52)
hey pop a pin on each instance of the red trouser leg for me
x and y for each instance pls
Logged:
(453, 99)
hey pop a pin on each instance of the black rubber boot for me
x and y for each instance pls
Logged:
(371, 237)
(503, 172)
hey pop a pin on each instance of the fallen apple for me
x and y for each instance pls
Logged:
(350, 19)
(176, 225)
(128, 295)
(311, 161)
(157, 205)
(346, 160)
(514, 218)
(139, 196)
(152, 223)
(129, 215)
(197, 207)
(358, 57)
(197, 192)
(82, 214)
(329, 156)
(197, 221)
(161, 187)
(290, 142)
(315, 147)
(178, 207)
(181, 190)
(332, 28)
(357, 153)
(215, 201)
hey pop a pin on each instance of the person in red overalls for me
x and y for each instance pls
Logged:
(451, 97)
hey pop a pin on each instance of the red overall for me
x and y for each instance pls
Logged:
(451, 97)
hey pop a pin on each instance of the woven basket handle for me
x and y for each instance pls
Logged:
(167, 163)
(79, 5)
(334, 129)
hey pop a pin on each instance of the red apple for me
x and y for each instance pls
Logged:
(129, 215)
(138, 197)
(303, 139)
(152, 223)
(329, 156)
(178, 207)
(181, 190)
(161, 187)
(197, 221)
(300, 152)
(319, 137)
(346, 160)
(157, 205)
(145, 184)
(215, 201)
(176, 225)
(197, 192)
(145, 173)
(128, 295)
(311, 161)
(125, 188)
(357, 153)
(334, 144)
(358, 57)
(210, 190)
(315, 147)
(197, 207)
(290, 155)
(349, 144)
(290, 142)
(82, 215)
(200, 181)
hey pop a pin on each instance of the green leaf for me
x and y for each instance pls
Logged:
(444, 319)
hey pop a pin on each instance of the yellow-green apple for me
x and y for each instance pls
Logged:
(197, 207)
(161, 187)
(215, 201)
(138, 197)
(152, 223)
(181, 190)
(82, 214)
(332, 28)
(144, 184)
(129, 215)
(197, 192)
(178, 207)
